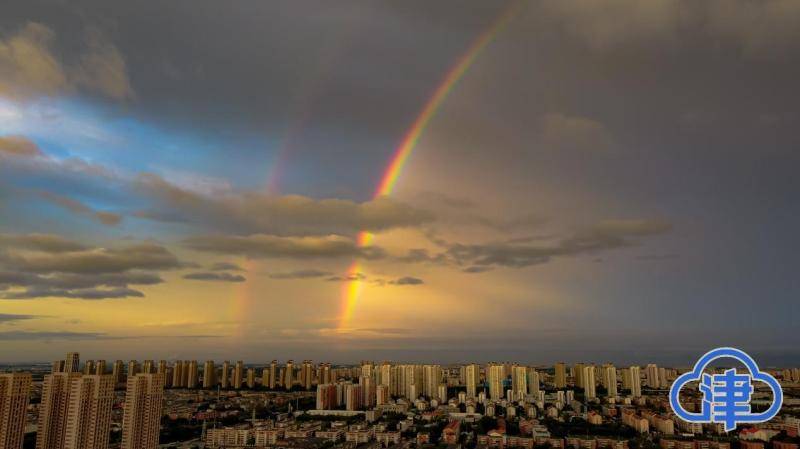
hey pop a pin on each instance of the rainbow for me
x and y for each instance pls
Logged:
(354, 285)
(301, 112)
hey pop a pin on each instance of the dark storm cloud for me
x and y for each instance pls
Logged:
(225, 266)
(54, 335)
(477, 269)
(79, 293)
(407, 280)
(40, 242)
(215, 276)
(11, 317)
(70, 281)
(348, 278)
(45, 266)
(418, 255)
(144, 256)
(69, 335)
(309, 273)
(603, 236)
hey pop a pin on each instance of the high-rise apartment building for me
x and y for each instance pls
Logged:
(533, 382)
(367, 369)
(494, 377)
(53, 409)
(162, 369)
(225, 375)
(385, 374)
(100, 367)
(519, 382)
(117, 371)
(14, 393)
(431, 378)
(288, 375)
(411, 380)
(265, 377)
(133, 368)
(209, 374)
(148, 367)
(560, 375)
(367, 384)
(325, 376)
(72, 363)
(177, 374)
(142, 416)
(578, 370)
(589, 383)
(307, 374)
(651, 376)
(251, 378)
(472, 375)
(326, 396)
(352, 397)
(238, 375)
(91, 399)
(191, 374)
(610, 379)
(57, 366)
(273, 374)
(441, 393)
(394, 380)
(636, 381)
(381, 394)
(75, 412)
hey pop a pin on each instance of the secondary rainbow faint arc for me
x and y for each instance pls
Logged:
(354, 285)
(302, 110)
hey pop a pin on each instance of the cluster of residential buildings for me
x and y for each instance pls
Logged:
(429, 403)
(75, 408)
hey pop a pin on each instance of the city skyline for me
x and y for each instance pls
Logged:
(519, 180)
(90, 364)
(83, 404)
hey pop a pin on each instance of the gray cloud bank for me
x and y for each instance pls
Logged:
(603, 236)
(40, 266)
(212, 276)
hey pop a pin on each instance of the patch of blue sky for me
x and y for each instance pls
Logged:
(115, 138)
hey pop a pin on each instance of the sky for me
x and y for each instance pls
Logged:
(568, 180)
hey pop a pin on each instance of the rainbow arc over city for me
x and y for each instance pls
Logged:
(354, 284)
